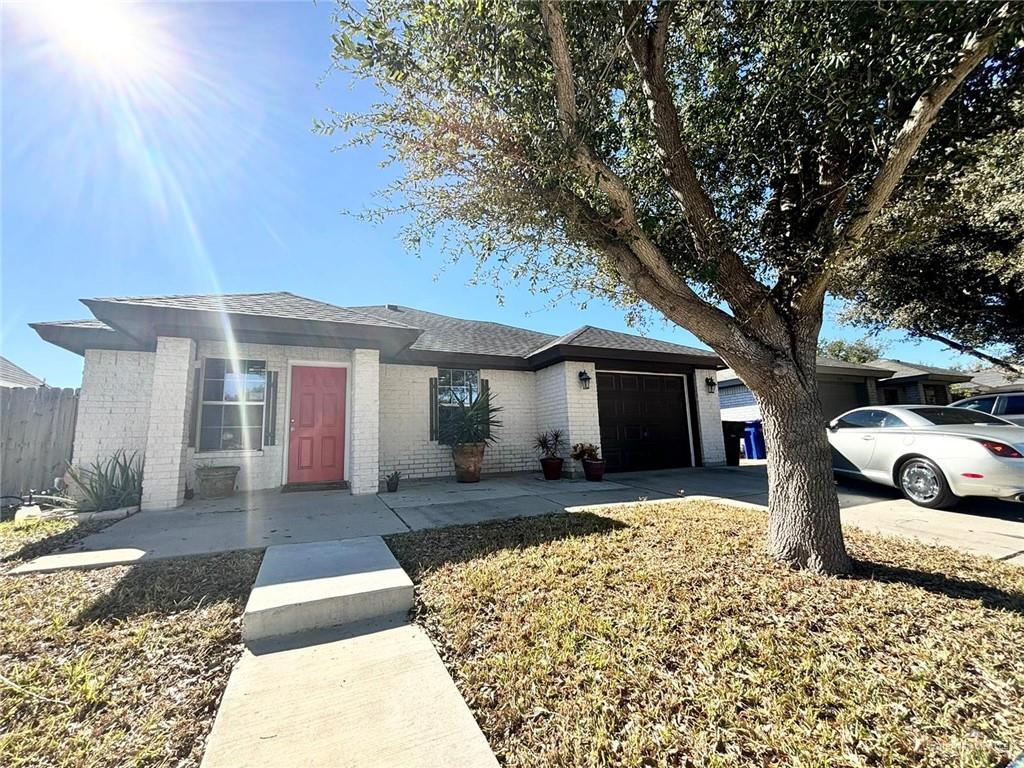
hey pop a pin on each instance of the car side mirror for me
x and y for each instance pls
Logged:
(832, 426)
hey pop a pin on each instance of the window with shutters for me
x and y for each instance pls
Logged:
(233, 398)
(452, 387)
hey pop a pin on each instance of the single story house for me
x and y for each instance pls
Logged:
(913, 383)
(12, 375)
(297, 391)
(842, 386)
(986, 380)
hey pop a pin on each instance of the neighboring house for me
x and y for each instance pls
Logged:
(295, 390)
(986, 380)
(913, 383)
(12, 375)
(841, 386)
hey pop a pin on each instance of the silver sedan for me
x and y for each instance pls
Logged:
(932, 454)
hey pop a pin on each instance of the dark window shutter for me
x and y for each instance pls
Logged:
(270, 410)
(193, 420)
(433, 409)
(485, 391)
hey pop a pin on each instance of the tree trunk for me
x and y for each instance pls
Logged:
(804, 529)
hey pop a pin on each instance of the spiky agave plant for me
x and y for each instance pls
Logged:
(109, 483)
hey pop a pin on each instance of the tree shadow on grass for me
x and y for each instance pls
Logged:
(421, 551)
(941, 584)
(166, 587)
(50, 543)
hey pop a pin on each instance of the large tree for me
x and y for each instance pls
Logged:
(717, 161)
(945, 261)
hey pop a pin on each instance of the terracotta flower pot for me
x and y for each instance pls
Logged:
(469, 458)
(593, 470)
(216, 482)
(552, 466)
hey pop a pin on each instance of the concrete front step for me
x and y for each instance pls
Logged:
(301, 587)
(363, 696)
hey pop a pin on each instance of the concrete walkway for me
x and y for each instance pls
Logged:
(333, 674)
(266, 518)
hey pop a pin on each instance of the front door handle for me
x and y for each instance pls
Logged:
(867, 437)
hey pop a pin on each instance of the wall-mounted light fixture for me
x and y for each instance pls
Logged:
(584, 379)
(710, 383)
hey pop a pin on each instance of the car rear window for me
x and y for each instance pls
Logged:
(950, 416)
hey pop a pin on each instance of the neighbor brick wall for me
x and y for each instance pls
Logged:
(163, 484)
(709, 419)
(364, 452)
(113, 405)
(405, 443)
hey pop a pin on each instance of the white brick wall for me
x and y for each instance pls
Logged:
(163, 483)
(113, 405)
(364, 451)
(563, 404)
(709, 419)
(405, 443)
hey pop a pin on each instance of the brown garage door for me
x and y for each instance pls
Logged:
(840, 396)
(644, 423)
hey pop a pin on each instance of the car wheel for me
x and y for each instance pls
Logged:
(923, 483)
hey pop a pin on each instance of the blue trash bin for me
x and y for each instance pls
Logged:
(753, 441)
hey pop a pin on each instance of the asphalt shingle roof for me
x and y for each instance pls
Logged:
(452, 334)
(904, 369)
(602, 338)
(995, 378)
(277, 304)
(12, 375)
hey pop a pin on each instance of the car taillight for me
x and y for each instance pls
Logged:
(1001, 449)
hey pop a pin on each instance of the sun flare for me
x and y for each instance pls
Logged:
(118, 41)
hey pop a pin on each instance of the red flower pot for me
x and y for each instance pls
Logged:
(593, 470)
(552, 468)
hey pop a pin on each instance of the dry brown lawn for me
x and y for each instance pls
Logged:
(121, 666)
(664, 636)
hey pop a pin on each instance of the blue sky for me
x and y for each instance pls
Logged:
(188, 166)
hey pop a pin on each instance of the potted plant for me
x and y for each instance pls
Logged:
(549, 444)
(392, 481)
(216, 482)
(467, 430)
(590, 455)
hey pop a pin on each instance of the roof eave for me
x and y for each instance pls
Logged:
(77, 339)
(146, 323)
(563, 352)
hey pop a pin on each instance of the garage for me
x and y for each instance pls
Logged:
(837, 396)
(645, 421)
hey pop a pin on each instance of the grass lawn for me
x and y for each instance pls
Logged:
(121, 666)
(666, 637)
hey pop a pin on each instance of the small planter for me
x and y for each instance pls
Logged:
(216, 482)
(552, 466)
(392, 481)
(593, 470)
(469, 458)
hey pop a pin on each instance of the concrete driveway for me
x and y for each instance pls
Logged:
(257, 520)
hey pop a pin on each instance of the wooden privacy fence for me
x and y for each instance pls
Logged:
(37, 429)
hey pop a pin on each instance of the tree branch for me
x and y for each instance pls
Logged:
(922, 117)
(648, 46)
(966, 349)
(663, 286)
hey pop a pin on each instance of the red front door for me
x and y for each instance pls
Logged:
(316, 446)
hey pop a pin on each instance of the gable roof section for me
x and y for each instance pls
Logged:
(403, 334)
(282, 304)
(995, 380)
(904, 371)
(268, 318)
(12, 375)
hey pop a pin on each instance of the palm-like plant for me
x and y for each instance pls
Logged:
(472, 423)
(550, 444)
(109, 484)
